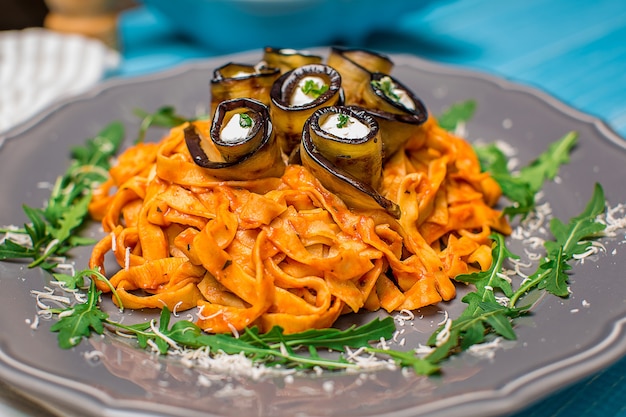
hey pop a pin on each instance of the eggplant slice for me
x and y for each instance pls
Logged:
(356, 67)
(296, 95)
(234, 80)
(242, 144)
(287, 59)
(342, 147)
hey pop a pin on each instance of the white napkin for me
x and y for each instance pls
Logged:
(39, 66)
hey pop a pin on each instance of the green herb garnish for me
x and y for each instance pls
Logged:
(457, 113)
(313, 89)
(342, 120)
(571, 239)
(388, 87)
(522, 187)
(245, 121)
(164, 117)
(271, 348)
(52, 230)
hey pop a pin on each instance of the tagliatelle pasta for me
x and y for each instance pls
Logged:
(284, 250)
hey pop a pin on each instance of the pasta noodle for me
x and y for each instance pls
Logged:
(284, 250)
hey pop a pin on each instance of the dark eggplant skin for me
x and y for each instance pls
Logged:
(356, 67)
(234, 80)
(355, 179)
(396, 129)
(374, 98)
(256, 156)
(397, 122)
(288, 59)
(289, 119)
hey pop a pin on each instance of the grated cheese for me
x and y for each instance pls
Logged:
(234, 331)
(487, 349)
(443, 336)
(157, 332)
(22, 239)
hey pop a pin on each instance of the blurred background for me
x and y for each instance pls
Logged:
(574, 50)
(19, 14)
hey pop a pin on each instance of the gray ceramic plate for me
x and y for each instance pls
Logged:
(556, 345)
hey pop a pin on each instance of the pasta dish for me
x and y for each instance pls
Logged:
(314, 190)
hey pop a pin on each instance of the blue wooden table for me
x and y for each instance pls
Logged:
(574, 50)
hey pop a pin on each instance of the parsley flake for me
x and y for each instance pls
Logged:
(313, 89)
(388, 87)
(245, 121)
(343, 120)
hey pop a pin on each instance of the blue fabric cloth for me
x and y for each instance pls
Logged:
(574, 50)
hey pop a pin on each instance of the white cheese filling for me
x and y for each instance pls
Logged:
(234, 131)
(401, 94)
(299, 98)
(350, 129)
(405, 100)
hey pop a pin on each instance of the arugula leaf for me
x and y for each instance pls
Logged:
(164, 117)
(12, 250)
(420, 366)
(483, 312)
(570, 239)
(331, 338)
(457, 113)
(98, 150)
(547, 165)
(80, 320)
(271, 348)
(71, 282)
(52, 229)
(522, 187)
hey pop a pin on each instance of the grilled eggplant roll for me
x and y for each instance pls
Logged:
(395, 129)
(242, 143)
(388, 94)
(296, 95)
(356, 67)
(397, 110)
(287, 59)
(241, 80)
(342, 147)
